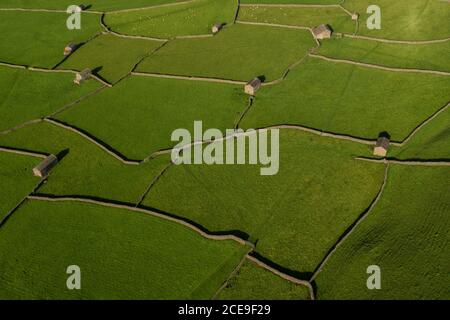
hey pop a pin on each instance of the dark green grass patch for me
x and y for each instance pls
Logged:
(139, 115)
(191, 18)
(406, 235)
(27, 95)
(110, 56)
(16, 180)
(255, 283)
(234, 53)
(85, 169)
(411, 56)
(295, 215)
(39, 38)
(348, 99)
(405, 19)
(337, 18)
(121, 254)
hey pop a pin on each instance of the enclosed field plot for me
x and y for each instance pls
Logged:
(93, 5)
(252, 282)
(184, 19)
(16, 180)
(138, 116)
(85, 169)
(405, 19)
(28, 95)
(338, 19)
(406, 235)
(433, 56)
(39, 38)
(295, 2)
(121, 255)
(110, 56)
(293, 216)
(349, 99)
(239, 52)
(431, 142)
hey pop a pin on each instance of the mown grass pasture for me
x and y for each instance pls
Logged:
(348, 99)
(338, 19)
(255, 283)
(109, 56)
(17, 180)
(145, 111)
(432, 56)
(406, 235)
(39, 38)
(85, 169)
(122, 255)
(28, 95)
(295, 215)
(184, 19)
(234, 53)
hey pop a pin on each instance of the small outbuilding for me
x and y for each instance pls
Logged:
(322, 32)
(82, 76)
(355, 16)
(69, 49)
(381, 147)
(43, 168)
(252, 86)
(216, 28)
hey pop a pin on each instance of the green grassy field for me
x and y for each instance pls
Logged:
(295, 215)
(16, 178)
(39, 38)
(234, 53)
(110, 56)
(85, 170)
(143, 112)
(96, 5)
(349, 99)
(320, 2)
(337, 18)
(28, 95)
(121, 254)
(255, 283)
(405, 19)
(406, 235)
(412, 56)
(191, 18)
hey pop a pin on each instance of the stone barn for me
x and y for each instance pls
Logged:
(82, 76)
(217, 27)
(381, 147)
(69, 49)
(322, 32)
(355, 16)
(43, 168)
(252, 86)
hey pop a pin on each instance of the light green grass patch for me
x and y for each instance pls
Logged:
(410, 56)
(137, 117)
(190, 18)
(348, 99)
(95, 5)
(85, 170)
(338, 19)
(239, 52)
(16, 180)
(405, 19)
(431, 142)
(406, 235)
(28, 95)
(294, 216)
(300, 2)
(121, 254)
(39, 38)
(110, 56)
(255, 283)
